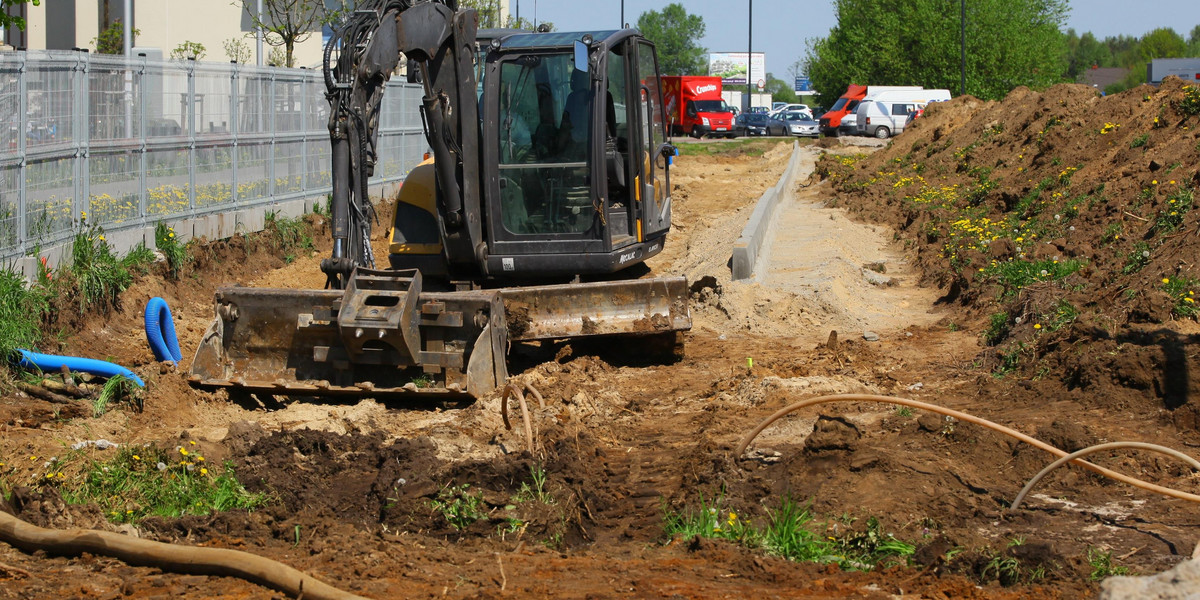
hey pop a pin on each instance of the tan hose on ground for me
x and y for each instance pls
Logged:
(962, 417)
(1100, 448)
(513, 389)
(168, 557)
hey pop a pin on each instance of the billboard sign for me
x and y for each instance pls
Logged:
(731, 67)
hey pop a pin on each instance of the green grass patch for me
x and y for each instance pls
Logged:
(172, 249)
(747, 146)
(1190, 103)
(1139, 141)
(1102, 565)
(1179, 203)
(459, 505)
(99, 275)
(1182, 290)
(22, 309)
(288, 233)
(143, 481)
(1015, 275)
(998, 328)
(1138, 257)
(1062, 315)
(790, 532)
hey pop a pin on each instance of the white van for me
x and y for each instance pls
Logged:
(885, 114)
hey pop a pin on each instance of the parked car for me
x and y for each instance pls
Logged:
(791, 107)
(752, 123)
(849, 124)
(800, 124)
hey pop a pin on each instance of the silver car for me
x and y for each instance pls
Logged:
(800, 124)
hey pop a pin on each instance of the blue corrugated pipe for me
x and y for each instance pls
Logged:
(52, 364)
(160, 331)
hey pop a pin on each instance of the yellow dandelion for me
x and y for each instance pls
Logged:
(1037, 325)
(136, 457)
(192, 442)
(203, 471)
(183, 451)
(1153, 182)
(1166, 280)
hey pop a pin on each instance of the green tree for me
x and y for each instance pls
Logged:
(1086, 52)
(188, 49)
(7, 20)
(1194, 42)
(674, 33)
(1162, 43)
(112, 39)
(237, 50)
(1009, 43)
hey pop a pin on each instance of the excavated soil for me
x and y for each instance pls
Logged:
(621, 441)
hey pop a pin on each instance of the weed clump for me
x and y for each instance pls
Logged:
(791, 532)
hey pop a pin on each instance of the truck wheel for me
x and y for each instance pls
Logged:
(696, 133)
(883, 133)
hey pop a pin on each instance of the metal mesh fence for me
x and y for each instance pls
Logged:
(126, 143)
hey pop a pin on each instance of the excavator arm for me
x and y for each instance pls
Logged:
(439, 40)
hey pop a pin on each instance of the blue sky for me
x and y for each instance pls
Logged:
(782, 26)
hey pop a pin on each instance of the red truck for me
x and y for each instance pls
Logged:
(695, 107)
(831, 122)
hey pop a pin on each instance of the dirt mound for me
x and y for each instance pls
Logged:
(1059, 222)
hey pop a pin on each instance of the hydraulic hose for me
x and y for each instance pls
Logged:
(962, 417)
(1100, 448)
(52, 363)
(169, 557)
(160, 331)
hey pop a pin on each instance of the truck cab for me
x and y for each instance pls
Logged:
(695, 106)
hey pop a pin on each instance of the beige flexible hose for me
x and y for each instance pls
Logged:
(512, 389)
(741, 449)
(168, 557)
(1100, 448)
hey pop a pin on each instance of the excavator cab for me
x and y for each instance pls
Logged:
(574, 160)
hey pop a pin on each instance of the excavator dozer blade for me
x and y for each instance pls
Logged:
(380, 337)
(384, 337)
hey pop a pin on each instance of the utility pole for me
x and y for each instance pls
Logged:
(962, 34)
(622, 15)
(749, 59)
(128, 27)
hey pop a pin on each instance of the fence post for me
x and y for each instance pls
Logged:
(191, 143)
(234, 128)
(271, 153)
(143, 183)
(22, 164)
(305, 84)
(82, 131)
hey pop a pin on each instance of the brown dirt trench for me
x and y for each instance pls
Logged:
(620, 439)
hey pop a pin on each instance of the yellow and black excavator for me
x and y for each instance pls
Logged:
(549, 178)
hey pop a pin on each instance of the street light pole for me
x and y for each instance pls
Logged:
(962, 35)
(622, 15)
(749, 57)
